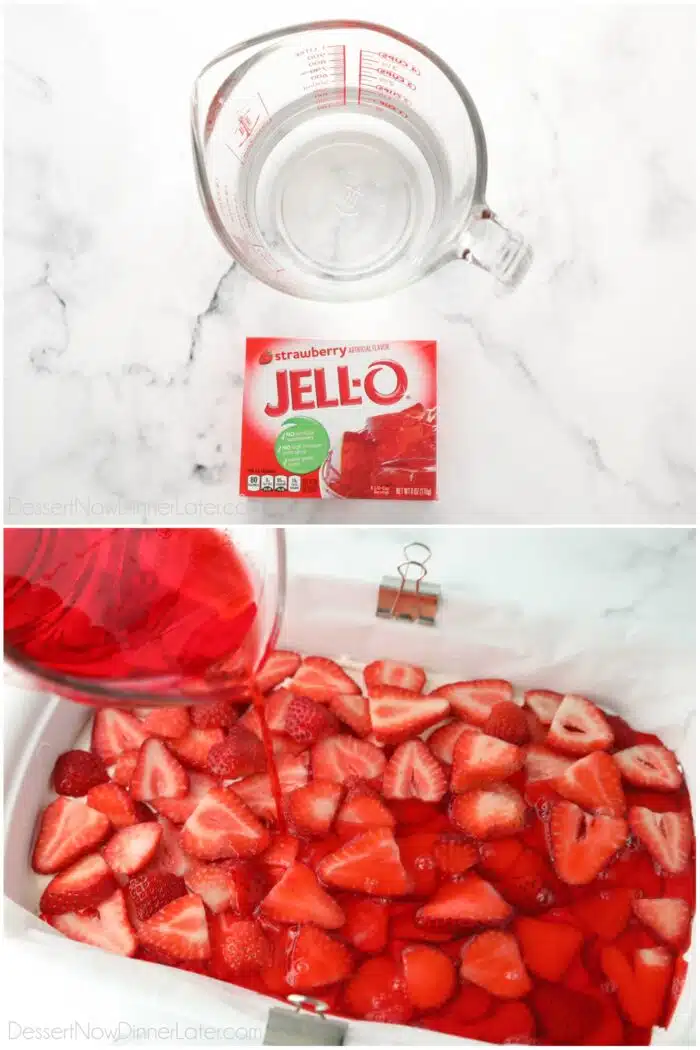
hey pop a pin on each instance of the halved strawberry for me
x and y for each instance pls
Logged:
(170, 856)
(298, 897)
(316, 959)
(582, 844)
(579, 727)
(366, 924)
(369, 863)
(507, 721)
(442, 740)
(454, 855)
(493, 961)
(418, 858)
(280, 854)
(544, 703)
(642, 984)
(179, 809)
(667, 836)
(605, 913)
(214, 883)
(340, 758)
(489, 812)
(115, 731)
(474, 700)
(321, 679)
(307, 721)
(564, 1015)
(377, 992)
(108, 928)
(429, 975)
(115, 803)
(213, 714)
(361, 811)
(469, 901)
(480, 760)
(536, 729)
(594, 783)
(413, 813)
(80, 887)
(158, 773)
(167, 722)
(179, 929)
(353, 710)
(497, 857)
(279, 665)
(529, 885)
(387, 672)
(633, 868)
(67, 831)
(240, 754)
(396, 716)
(256, 791)
(680, 972)
(648, 766)
(413, 772)
(312, 808)
(124, 768)
(404, 926)
(509, 1022)
(193, 748)
(669, 918)
(131, 849)
(543, 764)
(239, 947)
(548, 947)
(152, 890)
(223, 826)
(75, 772)
(275, 709)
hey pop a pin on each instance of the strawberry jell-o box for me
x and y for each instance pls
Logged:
(339, 420)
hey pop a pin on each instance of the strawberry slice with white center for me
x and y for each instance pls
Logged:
(341, 758)
(109, 929)
(276, 707)
(193, 748)
(668, 917)
(321, 679)
(115, 731)
(397, 715)
(223, 826)
(641, 984)
(131, 849)
(360, 811)
(170, 857)
(387, 672)
(488, 813)
(179, 929)
(214, 883)
(167, 722)
(414, 772)
(474, 700)
(369, 863)
(667, 836)
(179, 809)
(468, 901)
(582, 844)
(158, 773)
(593, 782)
(579, 727)
(312, 808)
(256, 791)
(67, 831)
(543, 764)
(544, 703)
(81, 887)
(443, 739)
(650, 765)
(480, 760)
(298, 897)
(353, 710)
(279, 665)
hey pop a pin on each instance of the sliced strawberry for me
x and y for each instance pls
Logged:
(76, 772)
(239, 947)
(413, 772)
(115, 803)
(396, 715)
(339, 758)
(605, 913)
(418, 858)
(280, 854)
(669, 918)
(278, 666)
(472, 1002)
(633, 868)
(564, 1015)
(158, 773)
(548, 948)
(311, 809)
(429, 975)
(536, 729)
(256, 791)
(470, 901)
(543, 764)
(124, 768)
(213, 714)
(223, 826)
(680, 972)
(152, 890)
(648, 766)
(306, 721)
(109, 928)
(214, 883)
(544, 703)
(179, 809)
(68, 830)
(298, 897)
(321, 679)
(480, 760)
(681, 885)
(625, 736)
(474, 700)
(404, 926)
(454, 855)
(369, 863)
(507, 721)
(366, 924)
(193, 748)
(498, 857)
(667, 836)
(115, 731)
(361, 811)
(132, 848)
(493, 961)
(240, 754)
(443, 739)
(378, 992)
(579, 727)
(387, 672)
(167, 722)
(509, 1022)
(353, 710)
(81, 887)
(414, 813)
(489, 812)
(529, 884)
(179, 929)
(594, 783)
(170, 857)
(642, 984)
(275, 709)
(583, 844)
(659, 801)
(316, 959)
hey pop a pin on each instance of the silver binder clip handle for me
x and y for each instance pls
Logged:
(304, 1027)
(408, 597)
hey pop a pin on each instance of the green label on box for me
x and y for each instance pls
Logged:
(302, 445)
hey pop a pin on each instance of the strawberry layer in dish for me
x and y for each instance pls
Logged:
(450, 856)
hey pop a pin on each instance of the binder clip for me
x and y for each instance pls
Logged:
(407, 596)
(303, 1027)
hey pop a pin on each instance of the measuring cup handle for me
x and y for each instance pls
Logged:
(488, 244)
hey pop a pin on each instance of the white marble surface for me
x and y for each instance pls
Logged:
(570, 401)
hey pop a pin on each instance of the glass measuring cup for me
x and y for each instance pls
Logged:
(342, 160)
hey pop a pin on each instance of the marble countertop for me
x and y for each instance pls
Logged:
(571, 401)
